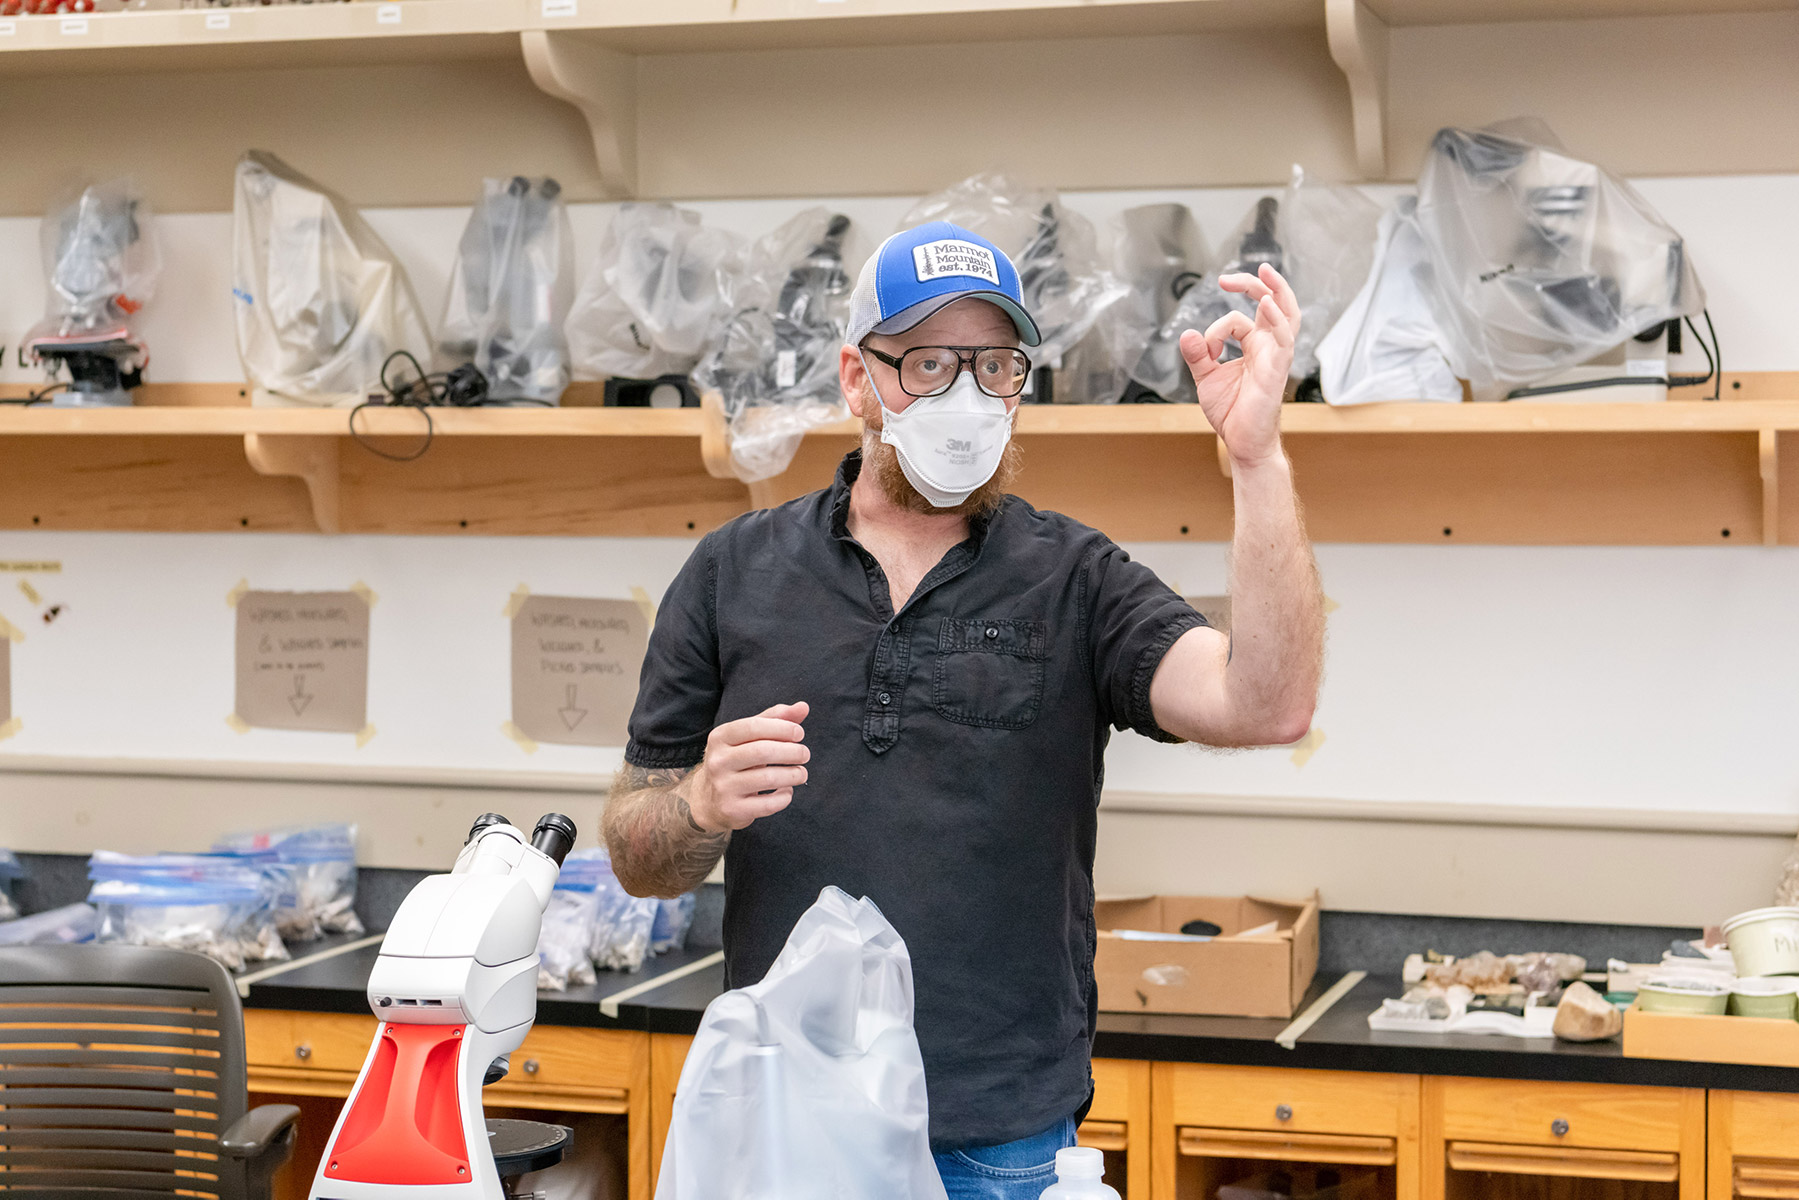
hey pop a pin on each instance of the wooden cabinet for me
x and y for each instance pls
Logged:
(1499, 1138)
(1217, 1125)
(1753, 1147)
(316, 1057)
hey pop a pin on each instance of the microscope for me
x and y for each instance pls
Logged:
(455, 991)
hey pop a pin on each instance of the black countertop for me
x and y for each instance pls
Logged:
(1340, 1040)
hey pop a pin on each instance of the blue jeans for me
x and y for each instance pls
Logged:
(1014, 1171)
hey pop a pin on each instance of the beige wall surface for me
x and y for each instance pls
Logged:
(1613, 865)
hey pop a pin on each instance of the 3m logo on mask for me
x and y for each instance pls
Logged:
(958, 446)
(934, 260)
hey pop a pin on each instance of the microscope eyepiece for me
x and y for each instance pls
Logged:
(554, 835)
(482, 822)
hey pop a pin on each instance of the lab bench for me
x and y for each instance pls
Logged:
(1181, 1104)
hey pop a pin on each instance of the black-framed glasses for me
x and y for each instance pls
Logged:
(931, 370)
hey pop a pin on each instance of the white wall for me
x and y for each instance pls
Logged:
(1594, 678)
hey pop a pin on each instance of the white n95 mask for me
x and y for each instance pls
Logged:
(949, 444)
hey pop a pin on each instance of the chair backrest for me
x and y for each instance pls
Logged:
(120, 1066)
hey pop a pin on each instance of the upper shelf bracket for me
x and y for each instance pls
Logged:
(307, 456)
(602, 84)
(1358, 42)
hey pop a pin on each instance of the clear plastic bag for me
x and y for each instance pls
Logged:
(1328, 231)
(673, 919)
(565, 935)
(648, 304)
(1541, 261)
(100, 264)
(510, 291)
(1386, 345)
(318, 865)
(1066, 286)
(56, 926)
(221, 911)
(320, 300)
(808, 1084)
(773, 360)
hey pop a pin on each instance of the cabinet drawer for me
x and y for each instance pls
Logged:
(1765, 1125)
(581, 1069)
(1529, 1112)
(294, 1041)
(1295, 1101)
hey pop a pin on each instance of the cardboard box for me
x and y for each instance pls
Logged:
(1263, 976)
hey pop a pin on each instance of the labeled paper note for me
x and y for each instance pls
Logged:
(574, 668)
(5, 680)
(303, 660)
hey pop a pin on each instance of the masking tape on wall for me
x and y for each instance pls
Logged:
(12, 726)
(10, 631)
(520, 736)
(31, 568)
(643, 602)
(366, 592)
(1330, 606)
(237, 723)
(1307, 746)
(520, 594)
(237, 593)
(364, 735)
(30, 592)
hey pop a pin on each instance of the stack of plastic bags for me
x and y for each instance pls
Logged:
(222, 906)
(593, 922)
(313, 869)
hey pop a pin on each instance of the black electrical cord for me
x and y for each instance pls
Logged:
(41, 396)
(1718, 382)
(464, 387)
(1712, 367)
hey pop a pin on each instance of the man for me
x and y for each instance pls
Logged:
(903, 685)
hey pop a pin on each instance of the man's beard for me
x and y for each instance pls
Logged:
(883, 461)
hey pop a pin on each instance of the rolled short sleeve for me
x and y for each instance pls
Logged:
(1132, 620)
(678, 690)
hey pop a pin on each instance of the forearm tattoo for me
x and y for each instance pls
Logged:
(657, 848)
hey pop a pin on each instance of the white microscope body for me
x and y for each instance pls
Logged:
(455, 989)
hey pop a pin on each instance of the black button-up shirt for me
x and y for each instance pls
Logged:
(957, 752)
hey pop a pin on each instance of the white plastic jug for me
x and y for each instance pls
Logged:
(1080, 1175)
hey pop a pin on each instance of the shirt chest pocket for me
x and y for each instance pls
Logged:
(989, 671)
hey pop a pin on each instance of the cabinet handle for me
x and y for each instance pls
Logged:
(1559, 1127)
(1283, 1112)
(530, 1066)
(302, 1052)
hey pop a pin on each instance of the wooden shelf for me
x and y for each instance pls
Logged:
(1676, 416)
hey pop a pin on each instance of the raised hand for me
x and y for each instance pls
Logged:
(1242, 398)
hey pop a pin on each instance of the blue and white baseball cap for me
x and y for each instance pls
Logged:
(918, 271)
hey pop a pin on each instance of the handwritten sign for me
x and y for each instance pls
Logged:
(303, 660)
(574, 668)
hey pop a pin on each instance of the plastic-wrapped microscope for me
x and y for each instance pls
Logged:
(101, 265)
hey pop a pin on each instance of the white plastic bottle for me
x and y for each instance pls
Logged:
(1080, 1175)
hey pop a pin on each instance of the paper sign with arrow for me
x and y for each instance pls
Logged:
(574, 667)
(303, 660)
